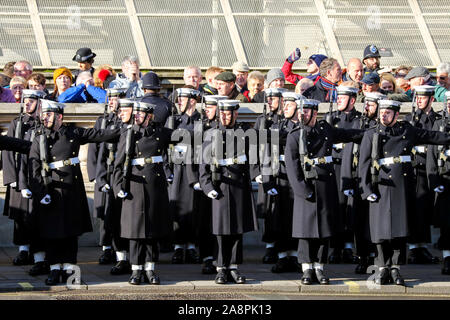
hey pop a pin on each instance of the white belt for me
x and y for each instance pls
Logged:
(63, 163)
(447, 152)
(239, 160)
(392, 160)
(282, 157)
(144, 161)
(420, 149)
(323, 160)
(339, 146)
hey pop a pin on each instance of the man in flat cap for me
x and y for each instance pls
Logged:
(226, 86)
(85, 59)
(240, 70)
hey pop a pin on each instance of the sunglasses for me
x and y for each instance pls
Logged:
(443, 78)
(400, 75)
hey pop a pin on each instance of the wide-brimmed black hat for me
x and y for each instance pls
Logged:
(83, 55)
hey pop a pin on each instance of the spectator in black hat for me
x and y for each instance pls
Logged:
(152, 85)
(371, 59)
(85, 59)
(226, 86)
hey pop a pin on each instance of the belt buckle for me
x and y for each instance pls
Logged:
(322, 160)
(148, 160)
(67, 162)
(397, 160)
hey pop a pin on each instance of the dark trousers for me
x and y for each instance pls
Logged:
(62, 250)
(312, 250)
(143, 250)
(286, 244)
(444, 239)
(390, 252)
(105, 235)
(23, 234)
(207, 243)
(229, 250)
(113, 227)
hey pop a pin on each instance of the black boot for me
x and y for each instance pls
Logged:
(178, 256)
(270, 257)
(320, 277)
(53, 278)
(234, 275)
(22, 258)
(39, 268)
(192, 257)
(282, 265)
(382, 277)
(446, 266)
(335, 256)
(107, 257)
(151, 277)
(221, 277)
(121, 267)
(308, 277)
(396, 277)
(362, 266)
(136, 277)
(208, 267)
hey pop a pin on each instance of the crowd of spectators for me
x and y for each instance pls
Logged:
(89, 84)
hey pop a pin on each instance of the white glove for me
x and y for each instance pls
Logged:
(373, 197)
(213, 194)
(13, 184)
(349, 192)
(439, 189)
(26, 193)
(170, 178)
(106, 188)
(309, 195)
(46, 200)
(259, 179)
(197, 187)
(272, 192)
(122, 194)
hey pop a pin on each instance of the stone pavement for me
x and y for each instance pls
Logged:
(421, 280)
